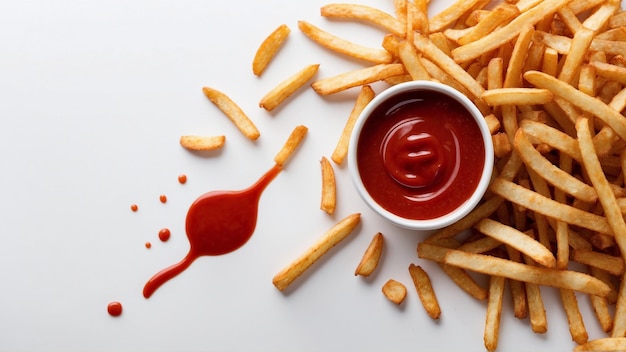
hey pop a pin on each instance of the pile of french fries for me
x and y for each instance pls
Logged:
(549, 77)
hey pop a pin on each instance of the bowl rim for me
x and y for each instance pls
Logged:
(466, 207)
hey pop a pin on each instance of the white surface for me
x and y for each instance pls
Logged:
(94, 96)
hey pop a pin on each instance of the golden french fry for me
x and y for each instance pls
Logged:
(552, 173)
(356, 78)
(501, 14)
(425, 291)
(341, 149)
(584, 102)
(345, 47)
(506, 33)
(371, 257)
(291, 144)
(233, 112)
(494, 312)
(329, 191)
(517, 240)
(410, 59)
(517, 96)
(609, 71)
(609, 263)
(553, 137)
(365, 13)
(328, 240)
(450, 14)
(513, 77)
(523, 272)
(548, 207)
(202, 142)
(607, 344)
(268, 49)
(576, 325)
(394, 291)
(286, 88)
(578, 49)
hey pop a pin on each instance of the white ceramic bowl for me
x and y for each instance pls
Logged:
(483, 183)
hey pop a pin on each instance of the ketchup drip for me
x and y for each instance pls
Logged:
(217, 223)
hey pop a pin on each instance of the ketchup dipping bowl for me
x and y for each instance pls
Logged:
(421, 155)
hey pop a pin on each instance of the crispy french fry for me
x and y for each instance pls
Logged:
(202, 142)
(371, 257)
(341, 149)
(365, 13)
(494, 312)
(233, 112)
(268, 49)
(517, 96)
(328, 240)
(394, 291)
(291, 144)
(329, 191)
(343, 46)
(603, 344)
(574, 318)
(286, 88)
(356, 78)
(541, 276)
(425, 291)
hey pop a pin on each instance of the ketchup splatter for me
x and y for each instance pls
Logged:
(217, 223)
(134, 207)
(114, 309)
(163, 198)
(148, 245)
(164, 234)
(182, 179)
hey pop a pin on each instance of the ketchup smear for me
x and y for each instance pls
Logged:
(217, 223)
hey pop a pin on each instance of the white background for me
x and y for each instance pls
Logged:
(93, 98)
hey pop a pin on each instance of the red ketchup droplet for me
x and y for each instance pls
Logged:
(182, 179)
(148, 245)
(164, 234)
(114, 309)
(134, 207)
(217, 223)
(163, 198)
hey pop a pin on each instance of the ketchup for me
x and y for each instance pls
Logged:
(217, 223)
(114, 309)
(420, 155)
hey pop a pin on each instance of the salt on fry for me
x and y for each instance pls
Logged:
(327, 241)
(291, 144)
(233, 112)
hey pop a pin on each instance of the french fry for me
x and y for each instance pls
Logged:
(291, 144)
(502, 13)
(341, 149)
(494, 312)
(329, 191)
(489, 265)
(268, 49)
(584, 102)
(233, 112)
(425, 291)
(603, 344)
(343, 46)
(371, 257)
(356, 78)
(517, 96)
(518, 240)
(576, 325)
(394, 291)
(326, 242)
(452, 13)
(202, 142)
(609, 263)
(410, 59)
(578, 49)
(506, 33)
(365, 13)
(286, 88)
